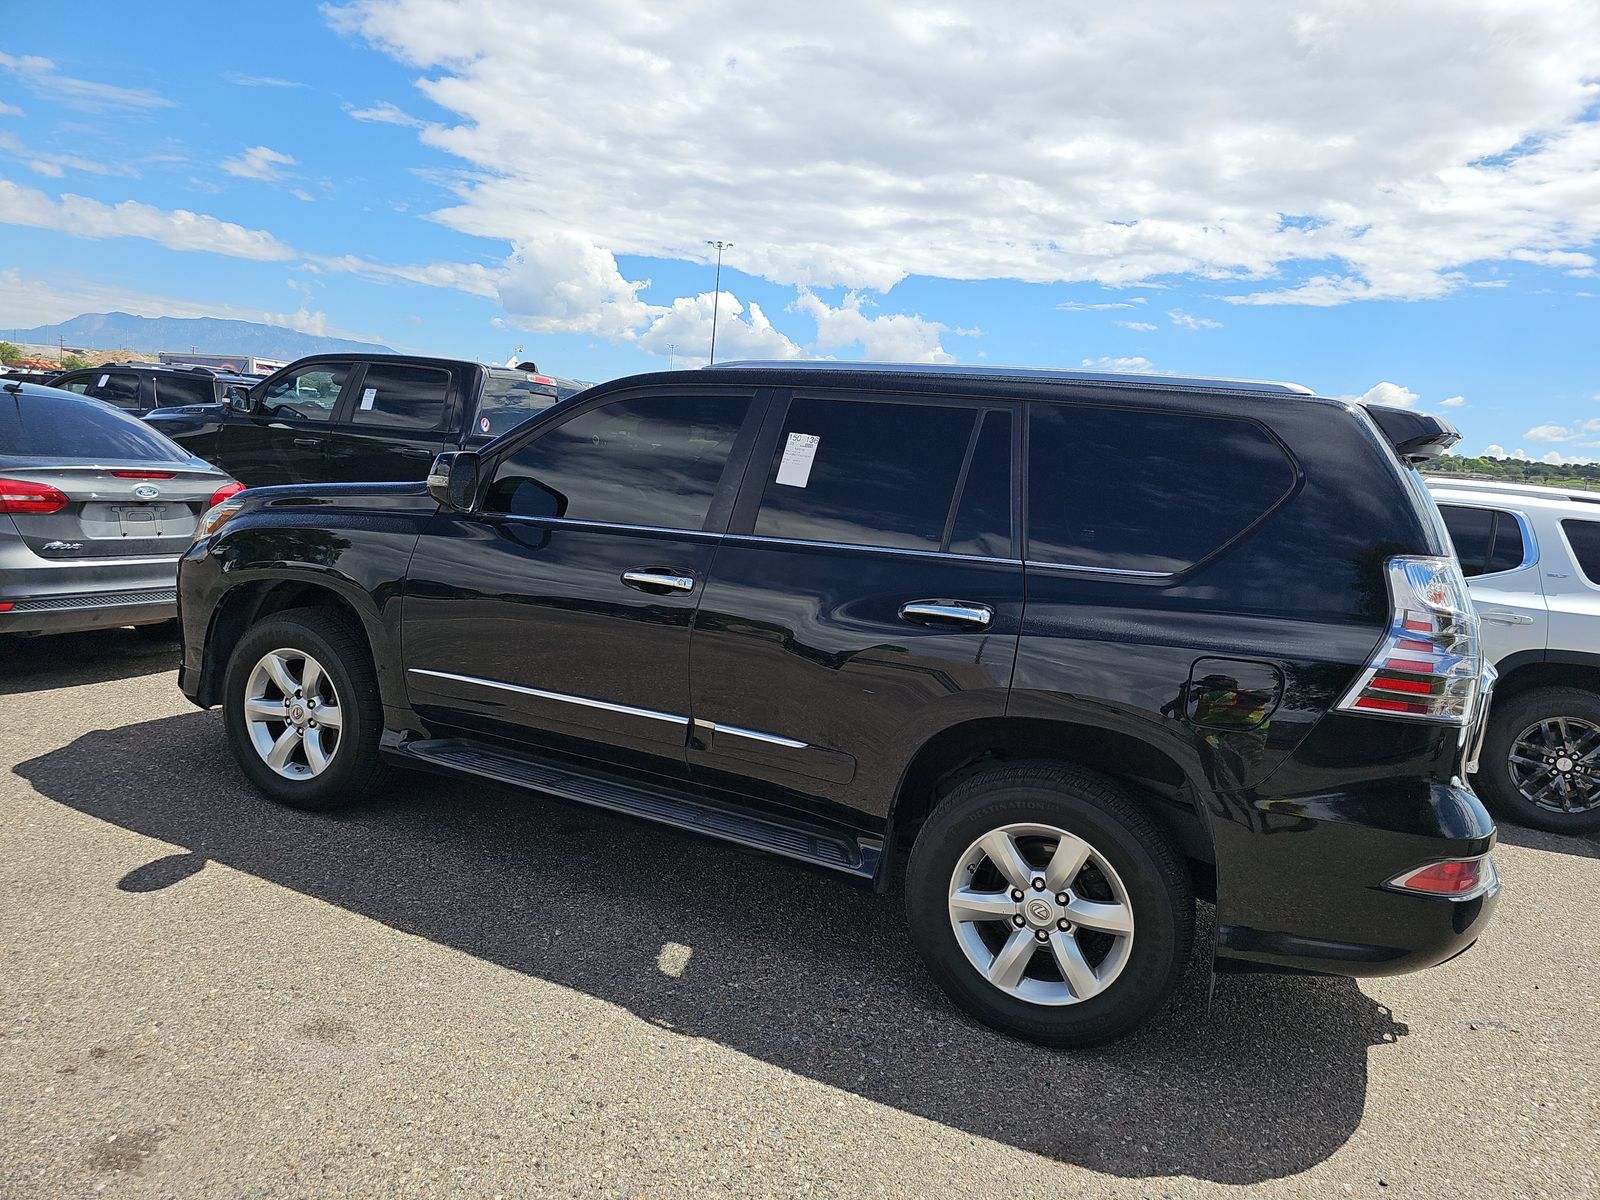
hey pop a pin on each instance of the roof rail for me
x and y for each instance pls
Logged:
(1482, 483)
(1036, 374)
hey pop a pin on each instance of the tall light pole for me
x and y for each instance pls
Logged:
(716, 294)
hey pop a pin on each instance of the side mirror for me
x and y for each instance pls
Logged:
(453, 480)
(239, 399)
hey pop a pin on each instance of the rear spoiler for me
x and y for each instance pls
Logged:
(1416, 436)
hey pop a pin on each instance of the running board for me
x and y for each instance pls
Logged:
(834, 849)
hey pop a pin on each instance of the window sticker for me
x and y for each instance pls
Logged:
(368, 397)
(483, 424)
(794, 469)
(103, 380)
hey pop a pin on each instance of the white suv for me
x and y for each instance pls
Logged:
(1532, 560)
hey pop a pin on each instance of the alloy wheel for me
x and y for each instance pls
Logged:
(291, 710)
(1041, 914)
(1555, 764)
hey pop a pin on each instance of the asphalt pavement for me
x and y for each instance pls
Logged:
(458, 990)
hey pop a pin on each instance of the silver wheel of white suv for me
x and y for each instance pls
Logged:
(1041, 914)
(292, 713)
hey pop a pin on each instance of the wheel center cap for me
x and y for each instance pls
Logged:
(1039, 912)
(297, 713)
(1563, 763)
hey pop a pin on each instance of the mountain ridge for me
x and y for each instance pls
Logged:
(204, 335)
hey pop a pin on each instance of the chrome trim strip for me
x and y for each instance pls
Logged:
(755, 735)
(624, 709)
(762, 539)
(1049, 566)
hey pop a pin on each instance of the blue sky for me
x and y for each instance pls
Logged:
(1364, 200)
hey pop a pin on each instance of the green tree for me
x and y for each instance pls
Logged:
(9, 353)
(1517, 470)
(75, 362)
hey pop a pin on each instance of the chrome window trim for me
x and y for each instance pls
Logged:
(1530, 544)
(765, 539)
(606, 705)
(1050, 566)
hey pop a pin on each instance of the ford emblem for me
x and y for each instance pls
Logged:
(146, 491)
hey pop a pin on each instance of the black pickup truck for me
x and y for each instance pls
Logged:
(356, 418)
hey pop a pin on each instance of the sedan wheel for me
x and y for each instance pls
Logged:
(292, 713)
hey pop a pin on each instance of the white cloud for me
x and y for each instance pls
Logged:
(1563, 433)
(40, 76)
(894, 337)
(1135, 365)
(258, 162)
(9, 110)
(1184, 321)
(1455, 143)
(270, 81)
(684, 332)
(176, 229)
(562, 282)
(386, 114)
(1388, 393)
(1564, 460)
(1140, 326)
(50, 164)
(1494, 450)
(1078, 306)
(1453, 402)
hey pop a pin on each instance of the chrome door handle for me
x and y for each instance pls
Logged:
(665, 580)
(1502, 616)
(951, 612)
(308, 442)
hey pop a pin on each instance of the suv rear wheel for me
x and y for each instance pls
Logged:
(1540, 763)
(1048, 905)
(302, 710)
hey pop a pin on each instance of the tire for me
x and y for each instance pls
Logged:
(1521, 714)
(350, 768)
(1131, 865)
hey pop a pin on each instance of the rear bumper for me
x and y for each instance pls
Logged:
(98, 610)
(1304, 890)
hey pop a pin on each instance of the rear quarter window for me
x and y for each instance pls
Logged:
(1584, 538)
(1143, 490)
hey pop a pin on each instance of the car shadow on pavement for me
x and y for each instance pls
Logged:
(1587, 846)
(801, 971)
(57, 660)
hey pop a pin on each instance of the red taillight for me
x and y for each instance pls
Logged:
(23, 496)
(5, 606)
(1427, 667)
(224, 492)
(144, 474)
(1454, 879)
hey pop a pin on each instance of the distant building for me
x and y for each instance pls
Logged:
(245, 364)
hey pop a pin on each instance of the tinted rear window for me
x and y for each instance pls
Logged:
(172, 390)
(121, 388)
(402, 397)
(1585, 539)
(865, 473)
(509, 398)
(1140, 490)
(57, 427)
(1485, 539)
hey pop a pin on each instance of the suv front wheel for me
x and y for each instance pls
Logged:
(1048, 905)
(302, 709)
(1540, 763)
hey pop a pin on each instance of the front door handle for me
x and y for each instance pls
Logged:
(947, 612)
(308, 443)
(418, 452)
(655, 579)
(1504, 616)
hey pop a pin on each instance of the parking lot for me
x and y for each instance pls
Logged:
(459, 991)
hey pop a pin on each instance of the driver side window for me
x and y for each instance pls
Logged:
(309, 394)
(650, 460)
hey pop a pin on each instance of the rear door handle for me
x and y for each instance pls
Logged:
(417, 452)
(652, 579)
(947, 612)
(309, 443)
(1504, 616)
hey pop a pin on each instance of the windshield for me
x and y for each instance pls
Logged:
(61, 425)
(509, 399)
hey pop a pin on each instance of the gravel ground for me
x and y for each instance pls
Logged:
(464, 991)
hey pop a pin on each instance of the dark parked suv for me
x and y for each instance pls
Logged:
(144, 388)
(1086, 645)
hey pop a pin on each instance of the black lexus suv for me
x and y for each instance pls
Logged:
(1086, 646)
